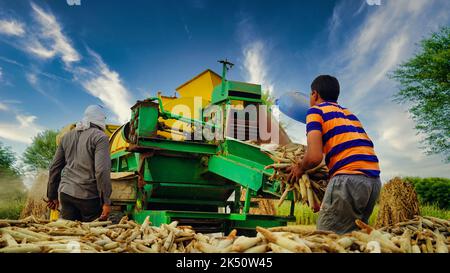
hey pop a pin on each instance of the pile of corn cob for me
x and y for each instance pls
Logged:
(430, 235)
(310, 189)
(420, 235)
(33, 235)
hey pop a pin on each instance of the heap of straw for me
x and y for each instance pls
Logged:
(35, 204)
(264, 206)
(398, 203)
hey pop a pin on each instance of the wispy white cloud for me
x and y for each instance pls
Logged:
(3, 107)
(48, 41)
(19, 127)
(36, 48)
(51, 32)
(361, 8)
(44, 39)
(1, 74)
(335, 22)
(32, 70)
(12, 28)
(22, 130)
(106, 84)
(188, 32)
(8, 60)
(256, 69)
(33, 79)
(387, 37)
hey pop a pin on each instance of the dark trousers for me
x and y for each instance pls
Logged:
(75, 209)
(347, 198)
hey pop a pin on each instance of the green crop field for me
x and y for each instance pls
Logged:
(305, 215)
(10, 209)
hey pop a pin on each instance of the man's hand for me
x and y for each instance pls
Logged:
(296, 172)
(106, 210)
(53, 204)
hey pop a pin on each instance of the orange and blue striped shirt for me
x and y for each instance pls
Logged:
(347, 147)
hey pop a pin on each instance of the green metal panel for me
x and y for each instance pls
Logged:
(178, 146)
(243, 87)
(190, 193)
(244, 99)
(157, 217)
(252, 222)
(235, 171)
(252, 155)
(124, 161)
(180, 169)
(144, 117)
(231, 220)
(139, 216)
(189, 184)
(237, 90)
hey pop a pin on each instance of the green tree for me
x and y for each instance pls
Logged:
(7, 160)
(267, 99)
(12, 190)
(432, 190)
(39, 154)
(424, 86)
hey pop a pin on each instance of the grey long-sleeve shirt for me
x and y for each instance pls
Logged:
(81, 166)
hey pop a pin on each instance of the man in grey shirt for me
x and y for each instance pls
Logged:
(80, 170)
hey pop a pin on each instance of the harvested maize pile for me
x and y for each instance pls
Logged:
(310, 188)
(428, 236)
(420, 235)
(398, 203)
(32, 235)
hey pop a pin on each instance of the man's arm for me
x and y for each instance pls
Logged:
(103, 169)
(314, 151)
(58, 164)
(312, 158)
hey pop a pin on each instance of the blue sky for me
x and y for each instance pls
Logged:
(55, 59)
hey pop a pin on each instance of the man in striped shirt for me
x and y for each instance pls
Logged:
(335, 132)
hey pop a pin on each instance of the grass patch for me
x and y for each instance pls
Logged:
(10, 209)
(305, 216)
(435, 211)
(373, 216)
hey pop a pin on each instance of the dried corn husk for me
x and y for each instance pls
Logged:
(404, 237)
(310, 188)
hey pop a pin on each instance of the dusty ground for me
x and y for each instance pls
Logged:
(35, 204)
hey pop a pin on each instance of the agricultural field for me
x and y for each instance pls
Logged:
(10, 208)
(433, 195)
(13, 196)
(306, 217)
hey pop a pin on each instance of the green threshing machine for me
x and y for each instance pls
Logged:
(192, 179)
